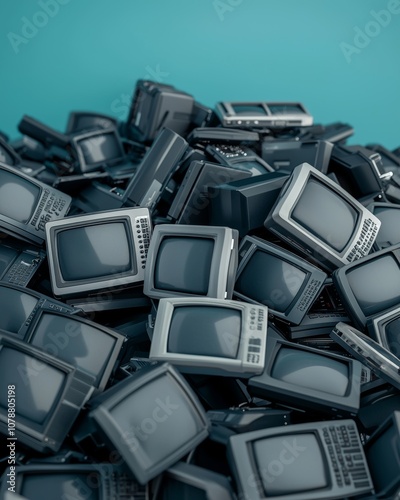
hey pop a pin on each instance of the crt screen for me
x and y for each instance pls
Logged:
(94, 251)
(18, 196)
(382, 457)
(176, 423)
(59, 486)
(285, 109)
(249, 109)
(311, 371)
(302, 471)
(183, 264)
(81, 345)
(389, 232)
(375, 284)
(16, 306)
(7, 256)
(205, 331)
(325, 214)
(38, 384)
(270, 281)
(254, 167)
(392, 332)
(100, 148)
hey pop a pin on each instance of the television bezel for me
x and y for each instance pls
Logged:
(377, 324)
(76, 390)
(31, 231)
(86, 167)
(279, 220)
(223, 267)
(371, 207)
(130, 217)
(303, 397)
(136, 460)
(211, 365)
(239, 452)
(119, 339)
(349, 299)
(309, 290)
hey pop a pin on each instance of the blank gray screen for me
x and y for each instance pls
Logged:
(205, 331)
(311, 371)
(82, 345)
(376, 284)
(100, 148)
(325, 214)
(389, 232)
(38, 384)
(393, 336)
(59, 486)
(270, 280)
(301, 472)
(18, 197)
(16, 306)
(183, 264)
(94, 251)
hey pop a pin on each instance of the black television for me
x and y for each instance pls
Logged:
(309, 461)
(307, 216)
(19, 304)
(385, 329)
(27, 204)
(274, 277)
(308, 378)
(92, 348)
(210, 336)
(48, 394)
(93, 252)
(191, 260)
(370, 285)
(389, 215)
(79, 121)
(73, 481)
(152, 419)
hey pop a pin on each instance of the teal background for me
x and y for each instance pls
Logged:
(90, 54)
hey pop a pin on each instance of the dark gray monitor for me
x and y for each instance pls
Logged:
(370, 285)
(309, 378)
(79, 121)
(191, 260)
(274, 277)
(152, 419)
(389, 232)
(385, 329)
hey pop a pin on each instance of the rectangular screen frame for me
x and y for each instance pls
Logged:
(223, 264)
(246, 363)
(376, 326)
(284, 392)
(130, 217)
(280, 222)
(309, 290)
(33, 231)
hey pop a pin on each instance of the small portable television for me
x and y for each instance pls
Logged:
(153, 419)
(263, 114)
(211, 336)
(88, 253)
(370, 285)
(49, 394)
(72, 481)
(272, 276)
(308, 378)
(389, 232)
(27, 204)
(319, 218)
(310, 461)
(79, 121)
(186, 260)
(384, 328)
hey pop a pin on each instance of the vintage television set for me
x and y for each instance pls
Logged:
(263, 114)
(19, 303)
(175, 421)
(19, 262)
(389, 215)
(92, 348)
(50, 393)
(370, 285)
(239, 157)
(191, 260)
(72, 481)
(84, 256)
(308, 378)
(286, 155)
(211, 336)
(189, 482)
(27, 204)
(301, 462)
(384, 328)
(274, 277)
(317, 231)
(79, 121)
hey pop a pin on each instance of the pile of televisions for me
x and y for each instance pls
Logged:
(198, 304)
